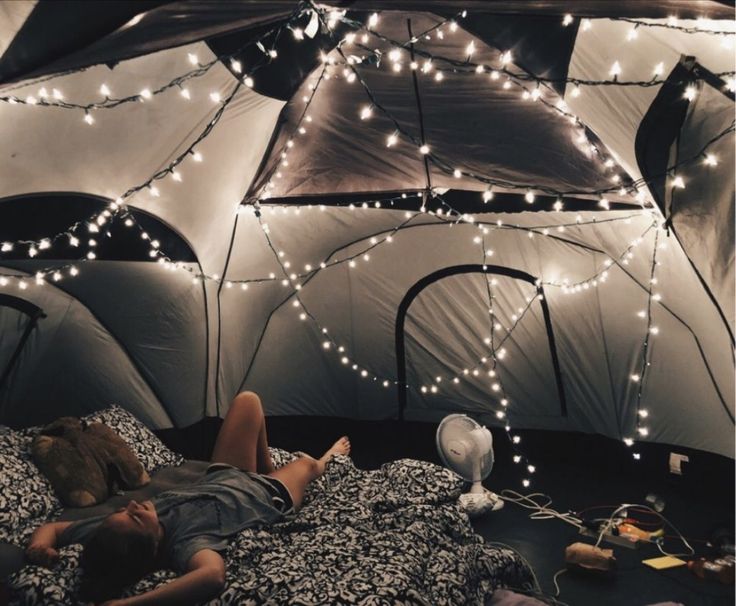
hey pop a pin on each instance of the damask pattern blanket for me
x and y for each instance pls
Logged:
(394, 535)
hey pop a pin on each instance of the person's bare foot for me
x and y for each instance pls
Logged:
(341, 447)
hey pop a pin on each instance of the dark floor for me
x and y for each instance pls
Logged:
(577, 472)
(543, 542)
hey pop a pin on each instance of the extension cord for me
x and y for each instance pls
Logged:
(630, 543)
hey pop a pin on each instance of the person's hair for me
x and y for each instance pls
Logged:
(113, 559)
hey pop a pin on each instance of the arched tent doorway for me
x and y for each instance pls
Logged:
(510, 294)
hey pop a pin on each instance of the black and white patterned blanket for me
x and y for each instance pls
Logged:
(391, 536)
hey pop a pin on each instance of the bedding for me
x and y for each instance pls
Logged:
(27, 498)
(395, 535)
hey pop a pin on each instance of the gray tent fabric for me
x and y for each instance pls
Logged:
(702, 215)
(297, 296)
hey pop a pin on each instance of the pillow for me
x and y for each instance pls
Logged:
(151, 452)
(26, 496)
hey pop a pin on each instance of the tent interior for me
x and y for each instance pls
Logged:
(375, 214)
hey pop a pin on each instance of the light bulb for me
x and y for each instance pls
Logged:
(567, 20)
(424, 149)
(615, 69)
(146, 93)
(105, 90)
(529, 197)
(659, 69)
(690, 93)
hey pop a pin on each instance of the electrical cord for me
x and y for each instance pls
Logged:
(658, 542)
(554, 580)
(541, 511)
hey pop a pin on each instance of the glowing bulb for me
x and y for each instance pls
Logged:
(146, 93)
(643, 431)
(193, 59)
(373, 20)
(506, 58)
(628, 441)
(678, 182)
(184, 92)
(366, 112)
(632, 35)
(615, 69)
(575, 91)
(604, 203)
(567, 20)
(659, 69)
(517, 459)
(391, 140)
(215, 96)
(105, 90)
(470, 48)
(457, 173)
(197, 157)
(525, 483)
(586, 24)
(424, 149)
(690, 93)
(529, 197)
(711, 160)
(654, 330)
(635, 378)
(643, 413)
(488, 195)
(89, 119)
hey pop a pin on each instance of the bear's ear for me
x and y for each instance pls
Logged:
(61, 426)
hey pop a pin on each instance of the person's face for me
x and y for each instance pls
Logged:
(136, 517)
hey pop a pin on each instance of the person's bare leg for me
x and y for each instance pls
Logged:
(297, 475)
(242, 441)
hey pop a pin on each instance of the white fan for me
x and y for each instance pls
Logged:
(466, 447)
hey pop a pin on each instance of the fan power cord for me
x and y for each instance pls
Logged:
(609, 524)
(541, 510)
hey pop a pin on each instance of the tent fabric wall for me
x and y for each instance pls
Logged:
(599, 334)
(165, 352)
(174, 350)
(702, 215)
(518, 142)
(72, 365)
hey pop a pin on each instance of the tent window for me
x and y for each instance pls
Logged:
(30, 218)
(487, 271)
(19, 318)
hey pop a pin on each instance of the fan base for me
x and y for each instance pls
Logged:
(476, 504)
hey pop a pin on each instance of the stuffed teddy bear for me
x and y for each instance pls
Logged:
(85, 462)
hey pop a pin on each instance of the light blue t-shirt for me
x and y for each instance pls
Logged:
(203, 515)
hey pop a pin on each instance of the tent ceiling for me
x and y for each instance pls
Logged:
(169, 24)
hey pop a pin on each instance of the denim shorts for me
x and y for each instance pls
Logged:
(280, 495)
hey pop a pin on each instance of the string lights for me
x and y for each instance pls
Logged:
(642, 414)
(432, 66)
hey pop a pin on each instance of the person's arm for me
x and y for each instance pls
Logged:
(42, 548)
(204, 579)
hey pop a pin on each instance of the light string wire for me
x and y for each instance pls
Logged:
(467, 66)
(445, 166)
(671, 24)
(110, 103)
(330, 342)
(118, 208)
(495, 373)
(639, 379)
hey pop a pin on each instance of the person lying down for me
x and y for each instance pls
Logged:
(185, 529)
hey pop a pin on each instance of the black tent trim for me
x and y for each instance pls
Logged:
(414, 291)
(34, 314)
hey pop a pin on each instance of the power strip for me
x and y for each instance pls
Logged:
(610, 538)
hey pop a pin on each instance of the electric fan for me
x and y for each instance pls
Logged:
(466, 447)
